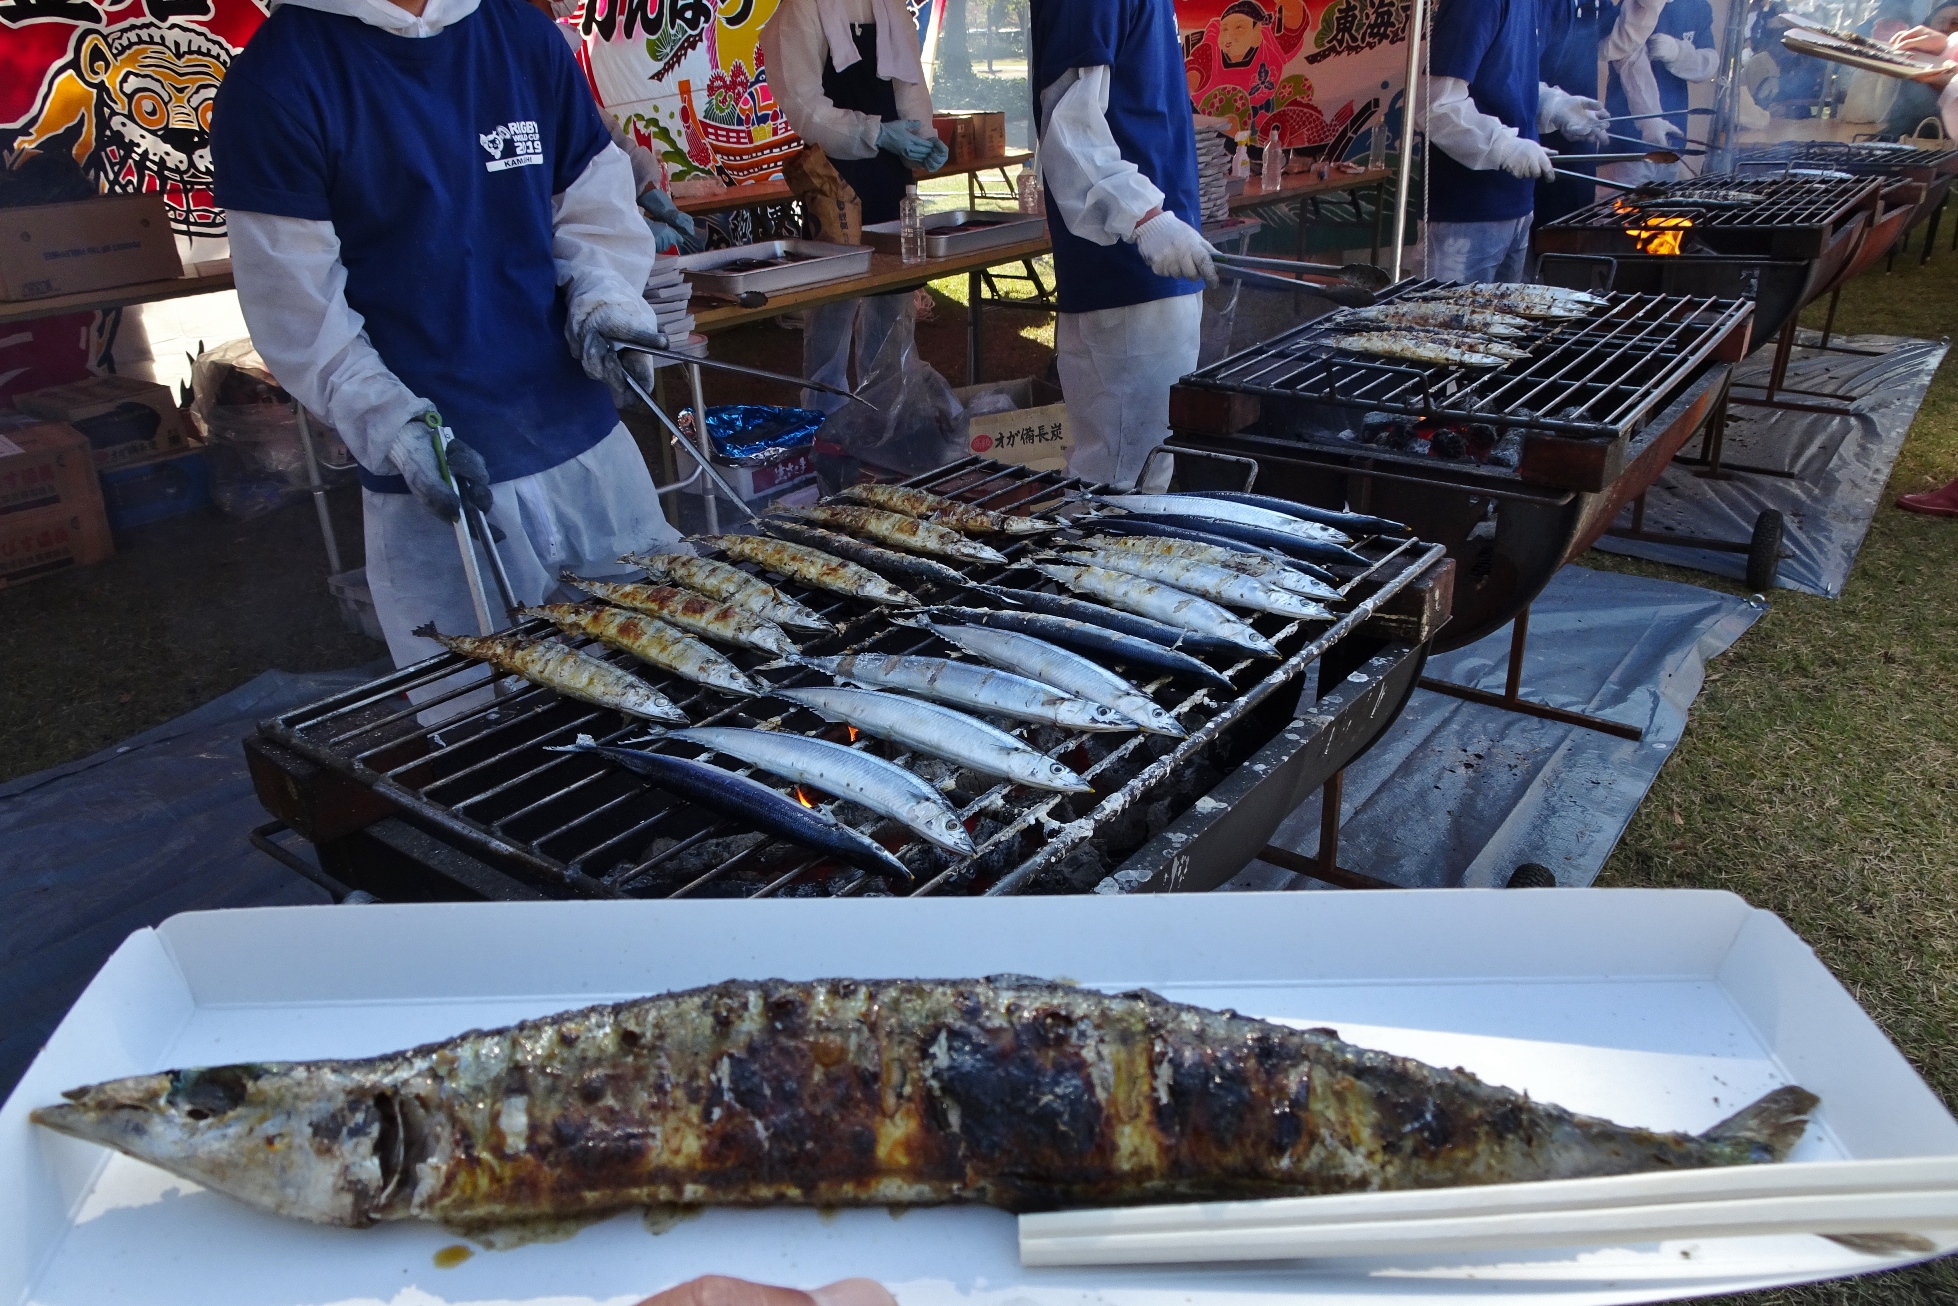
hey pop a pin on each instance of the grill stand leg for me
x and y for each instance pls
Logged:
(974, 288)
(1931, 231)
(1329, 800)
(1829, 322)
(1512, 700)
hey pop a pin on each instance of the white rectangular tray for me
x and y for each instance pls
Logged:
(1666, 1009)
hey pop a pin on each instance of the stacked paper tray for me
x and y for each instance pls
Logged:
(1666, 1009)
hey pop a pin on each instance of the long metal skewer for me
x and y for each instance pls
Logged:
(681, 440)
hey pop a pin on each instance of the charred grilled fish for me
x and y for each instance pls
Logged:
(1550, 303)
(751, 594)
(1437, 314)
(1009, 1091)
(649, 640)
(1163, 528)
(1256, 565)
(946, 512)
(562, 668)
(815, 568)
(899, 531)
(874, 556)
(693, 612)
(1205, 579)
(1418, 347)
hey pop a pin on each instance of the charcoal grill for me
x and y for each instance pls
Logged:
(477, 807)
(1601, 405)
(1833, 227)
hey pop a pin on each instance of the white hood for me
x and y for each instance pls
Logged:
(390, 17)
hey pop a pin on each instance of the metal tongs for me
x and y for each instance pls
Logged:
(471, 521)
(1649, 156)
(1355, 283)
(667, 354)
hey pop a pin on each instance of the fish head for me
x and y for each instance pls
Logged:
(297, 1140)
(941, 827)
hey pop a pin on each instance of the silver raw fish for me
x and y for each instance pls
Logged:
(1147, 598)
(981, 689)
(1269, 570)
(869, 781)
(1180, 505)
(1218, 584)
(939, 732)
(751, 594)
(1065, 670)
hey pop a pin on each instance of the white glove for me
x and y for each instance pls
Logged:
(1658, 133)
(1662, 48)
(1526, 159)
(413, 455)
(1172, 248)
(1576, 117)
(632, 323)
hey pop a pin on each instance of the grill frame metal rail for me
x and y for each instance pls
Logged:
(1797, 217)
(333, 788)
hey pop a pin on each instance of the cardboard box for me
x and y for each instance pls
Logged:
(46, 540)
(972, 135)
(125, 420)
(1033, 435)
(43, 464)
(1662, 1008)
(92, 244)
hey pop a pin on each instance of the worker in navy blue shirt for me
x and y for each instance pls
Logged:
(1118, 158)
(427, 214)
(1679, 53)
(1487, 109)
(1572, 32)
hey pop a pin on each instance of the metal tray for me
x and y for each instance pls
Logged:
(818, 262)
(1006, 228)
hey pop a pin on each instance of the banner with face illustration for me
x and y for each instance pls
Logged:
(685, 77)
(126, 90)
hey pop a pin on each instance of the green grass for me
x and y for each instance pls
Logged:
(1816, 777)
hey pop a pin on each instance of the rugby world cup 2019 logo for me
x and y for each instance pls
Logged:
(513, 145)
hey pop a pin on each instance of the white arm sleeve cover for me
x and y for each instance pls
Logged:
(1460, 130)
(1636, 21)
(292, 289)
(793, 49)
(913, 103)
(1100, 194)
(602, 248)
(1695, 64)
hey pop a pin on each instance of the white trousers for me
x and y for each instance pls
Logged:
(1117, 366)
(1479, 251)
(580, 515)
(827, 333)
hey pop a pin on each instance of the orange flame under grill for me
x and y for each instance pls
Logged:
(802, 798)
(1657, 233)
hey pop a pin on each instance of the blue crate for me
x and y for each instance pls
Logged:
(156, 490)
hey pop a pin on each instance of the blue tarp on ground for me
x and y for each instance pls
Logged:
(96, 849)
(1461, 794)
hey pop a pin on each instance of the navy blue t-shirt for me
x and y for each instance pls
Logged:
(1691, 22)
(1149, 117)
(435, 159)
(1493, 45)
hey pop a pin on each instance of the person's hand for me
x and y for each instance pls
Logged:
(940, 153)
(1663, 48)
(909, 140)
(1924, 40)
(631, 324)
(722, 1290)
(1173, 248)
(1582, 118)
(1658, 133)
(669, 225)
(413, 457)
(1527, 159)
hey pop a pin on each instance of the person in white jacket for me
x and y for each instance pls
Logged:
(1486, 111)
(427, 214)
(1118, 159)
(849, 79)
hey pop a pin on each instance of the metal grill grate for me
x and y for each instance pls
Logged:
(1599, 376)
(577, 826)
(1785, 202)
(1870, 158)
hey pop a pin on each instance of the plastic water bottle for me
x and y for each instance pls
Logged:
(911, 227)
(1032, 202)
(1274, 162)
(1377, 148)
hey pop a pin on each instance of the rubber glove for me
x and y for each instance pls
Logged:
(909, 140)
(1173, 248)
(627, 323)
(1526, 159)
(1582, 118)
(413, 457)
(673, 229)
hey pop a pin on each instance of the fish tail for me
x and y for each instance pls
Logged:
(426, 631)
(1765, 1130)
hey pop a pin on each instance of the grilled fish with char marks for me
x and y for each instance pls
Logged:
(564, 669)
(1011, 1091)
(1416, 347)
